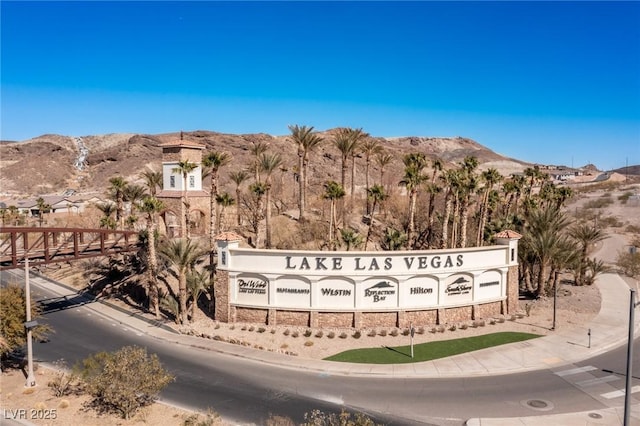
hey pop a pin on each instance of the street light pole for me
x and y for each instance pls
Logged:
(627, 389)
(31, 378)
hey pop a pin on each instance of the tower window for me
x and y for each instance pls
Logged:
(192, 181)
(172, 181)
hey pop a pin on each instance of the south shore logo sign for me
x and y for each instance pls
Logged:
(348, 281)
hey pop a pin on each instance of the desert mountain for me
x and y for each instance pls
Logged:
(51, 164)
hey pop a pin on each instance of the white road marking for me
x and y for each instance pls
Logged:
(575, 371)
(595, 381)
(618, 393)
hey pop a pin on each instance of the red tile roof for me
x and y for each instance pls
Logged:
(228, 236)
(507, 233)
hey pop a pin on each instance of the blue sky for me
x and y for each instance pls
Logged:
(546, 82)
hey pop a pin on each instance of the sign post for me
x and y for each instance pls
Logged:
(412, 331)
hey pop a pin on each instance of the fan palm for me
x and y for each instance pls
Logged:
(151, 206)
(307, 141)
(333, 191)
(414, 176)
(378, 195)
(238, 177)
(214, 160)
(268, 164)
(116, 190)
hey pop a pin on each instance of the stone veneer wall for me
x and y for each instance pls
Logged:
(293, 318)
(417, 317)
(179, 153)
(335, 319)
(221, 293)
(512, 290)
(378, 319)
(254, 315)
(487, 310)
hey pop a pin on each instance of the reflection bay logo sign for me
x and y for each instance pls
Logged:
(459, 286)
(379, 292)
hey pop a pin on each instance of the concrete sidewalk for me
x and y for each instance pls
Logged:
(609, 329)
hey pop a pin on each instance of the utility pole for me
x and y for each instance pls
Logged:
(29, 325)
(627, 389)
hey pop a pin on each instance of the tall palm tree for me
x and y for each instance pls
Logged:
(333, 191)
(224, 200)
(268, 164)
(344, 141)
(257, 149)
(307, 141)
(214, 160)
(183, 254)
(468, 188)
(184, 168)
(259, 189)
(393, 239)
(238, 177)
(133, 194)
(358, 136)
(151, 207)
(369, 147)
(491, 178)
(414, 165)
(117, 185)
(451, 180)
(152, 180)
(383, 159)
(378, 195)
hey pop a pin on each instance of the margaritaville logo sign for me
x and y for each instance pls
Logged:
(409, 263)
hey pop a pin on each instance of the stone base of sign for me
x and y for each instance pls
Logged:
(221, 293)
(361, 319)
(512, 290)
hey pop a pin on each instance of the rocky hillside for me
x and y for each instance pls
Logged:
(51, 164)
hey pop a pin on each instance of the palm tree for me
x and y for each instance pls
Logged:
(197, 282)
(151, 206)
(414, 165)
(108, 209)
(369, 147)
(224, 200)
(152, 180)
(378, 195)
(451, 179)
(214, 160)
(116, 193)
(393, 239)
(259, 189)
(344, 141)
(43, 207)
(585, 235)
(469, 187)
(183, 254)
(133, 194)
(491, 178)
(307, 142)
(268, 164)
(333, 191)
(358, 136)
(238, 177)
(184, 168)
(257, 149)
(383, 159)
(351, 238)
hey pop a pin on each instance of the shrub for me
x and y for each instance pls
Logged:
(63, 383)
(406, 332)
(243, 328)
(331, 335)
(372, 333)
(261, 330)
(441, 329)
(420, 330)
(217, 326)
(273, 331)
(319, 334)
(318, 418)
(383, 332)
(295, 334)
(629, 263)
(308, 343)
(394, 332)
(453, 327)
(109, 379)
(252, 328)
(287, 332)
(464, 326)
(492, 321)
(433, 330)
(357, 334)
(307, 333)
(343, 335)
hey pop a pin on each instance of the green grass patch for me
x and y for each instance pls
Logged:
(428, 351)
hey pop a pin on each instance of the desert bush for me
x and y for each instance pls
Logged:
(109, 379)
(633, 229)
(343, 335)
(406, 332)
(464, 326)
(275, 420)
(252, 328)
(625, 197)
(64, 382)
(319, 334)
(287, 332)
(394, 332)
(357, 334)
(261, 330)
(383, 332)
(13, 309)
(217, 326)
(610, 221)
(211, 418)
(629, 263)
(320, 418)
(492, 321)
(331, 335)
(453, 327)
(307, 333)
(295, 334)
(598, 203)
(441, 329)
(420, 330)
(243, 328)
(433, 330)
(372, 333)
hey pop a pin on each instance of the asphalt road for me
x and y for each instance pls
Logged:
(247, 392)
